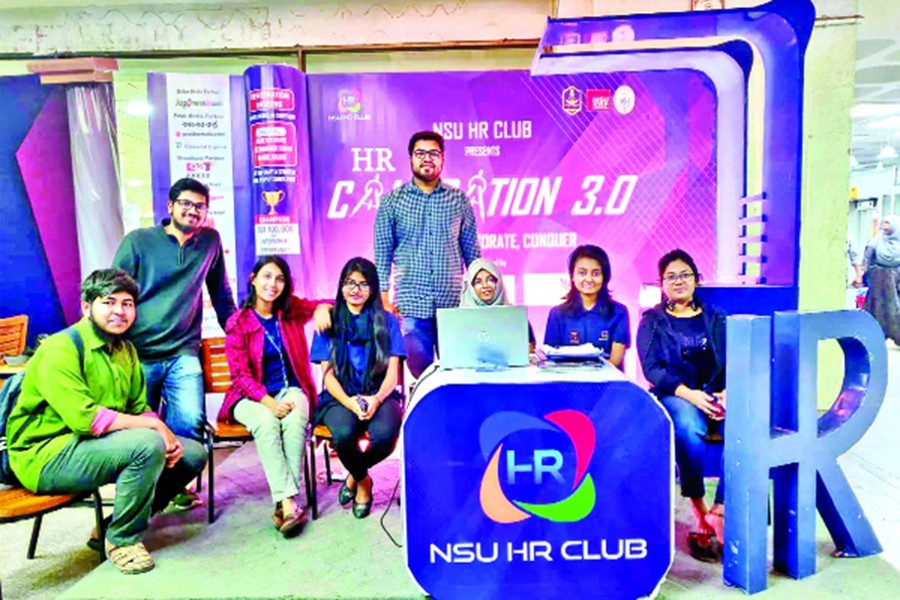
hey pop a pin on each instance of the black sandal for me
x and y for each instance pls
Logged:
(704, 547)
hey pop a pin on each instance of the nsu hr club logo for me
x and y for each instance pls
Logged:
(540, 466)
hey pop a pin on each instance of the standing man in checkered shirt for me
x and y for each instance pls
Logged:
(426, 229)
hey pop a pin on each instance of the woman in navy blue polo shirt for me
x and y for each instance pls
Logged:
(360, 356)
(589, 315)
(681, 344)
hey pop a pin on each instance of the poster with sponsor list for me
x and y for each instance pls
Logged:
(626, 161)
(199, 134)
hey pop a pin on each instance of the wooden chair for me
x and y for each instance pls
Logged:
(13, 331)
(320, 435)
(18, 504)
(217, 380)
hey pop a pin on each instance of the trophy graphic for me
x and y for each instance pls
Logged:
(272, 199)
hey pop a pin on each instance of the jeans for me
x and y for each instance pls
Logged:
(420, 340)
(691, 427)
(135, 460)
(347, 429)
(180, 380)
(279, 442)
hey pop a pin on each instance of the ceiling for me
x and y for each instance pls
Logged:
(876, 116)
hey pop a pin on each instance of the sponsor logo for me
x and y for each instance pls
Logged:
(537, 466)
(598, 100)
(349, 100)
(571, 100)
(624, 99)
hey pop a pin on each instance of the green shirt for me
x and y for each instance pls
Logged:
(57, 402)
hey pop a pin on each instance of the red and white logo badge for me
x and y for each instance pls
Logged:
(571, 100)
(599, 99)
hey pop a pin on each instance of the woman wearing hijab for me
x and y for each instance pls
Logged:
(484, 287)
(882, 265)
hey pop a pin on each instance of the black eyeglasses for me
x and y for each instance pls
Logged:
(352, 286)
(432, 154)
(185, 204)
(683, 276)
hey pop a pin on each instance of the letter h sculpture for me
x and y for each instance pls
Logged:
(773, 430)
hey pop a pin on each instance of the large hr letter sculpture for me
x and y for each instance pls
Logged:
(773, 428)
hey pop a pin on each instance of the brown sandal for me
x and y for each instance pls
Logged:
(132, 559)
(293, 522)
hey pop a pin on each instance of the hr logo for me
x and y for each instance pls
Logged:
(537, 467)
(545, 465)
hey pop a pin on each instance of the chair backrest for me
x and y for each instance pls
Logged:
(216, 376)
(12, 335)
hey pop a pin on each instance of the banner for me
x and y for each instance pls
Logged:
(279, 150)
(198, 129)
(626, 161)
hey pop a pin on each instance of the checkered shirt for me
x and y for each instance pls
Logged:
(427, 237)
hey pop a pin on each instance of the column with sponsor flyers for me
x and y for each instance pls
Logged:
(200, 147)
(279, 152)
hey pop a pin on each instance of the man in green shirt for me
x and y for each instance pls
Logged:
(79, 425)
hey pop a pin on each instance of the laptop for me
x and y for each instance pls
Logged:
(487, 337)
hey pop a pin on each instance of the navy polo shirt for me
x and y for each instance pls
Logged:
(580, 326)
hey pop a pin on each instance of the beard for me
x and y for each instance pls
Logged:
(184, 227)
(421, 176)
(112, 339)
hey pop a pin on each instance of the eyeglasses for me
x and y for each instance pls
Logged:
(184, 204)
(683, 276)
(432, 154)
(352, 286)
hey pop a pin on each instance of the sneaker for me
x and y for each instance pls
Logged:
(185, 500)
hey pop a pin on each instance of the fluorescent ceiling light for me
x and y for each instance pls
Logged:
(874, 110)
(888, 123)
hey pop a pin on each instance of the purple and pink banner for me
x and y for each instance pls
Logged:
(626, 161)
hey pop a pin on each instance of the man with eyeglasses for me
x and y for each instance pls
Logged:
(427, 231)
(171, 262)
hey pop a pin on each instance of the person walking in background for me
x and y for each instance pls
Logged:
(881, 262)
(427, 231)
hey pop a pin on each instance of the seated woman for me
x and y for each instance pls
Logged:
(483, 286)
(681, 344)
(360, 357)
(589, 315)
(272, 387)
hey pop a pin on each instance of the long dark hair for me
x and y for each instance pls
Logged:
(343, 330)
(573, 298)
(283, 302)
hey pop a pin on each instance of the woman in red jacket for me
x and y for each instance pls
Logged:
(272, 389)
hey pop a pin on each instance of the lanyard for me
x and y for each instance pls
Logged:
(279, 347)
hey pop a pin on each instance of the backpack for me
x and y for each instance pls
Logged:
(9, 393)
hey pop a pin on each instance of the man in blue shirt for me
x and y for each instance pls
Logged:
(427, 231)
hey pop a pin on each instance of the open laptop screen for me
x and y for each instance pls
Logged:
(491, 336)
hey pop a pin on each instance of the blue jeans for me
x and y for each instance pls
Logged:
(180, 380)
(135, 460)
(691, 427)
(420, 340)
